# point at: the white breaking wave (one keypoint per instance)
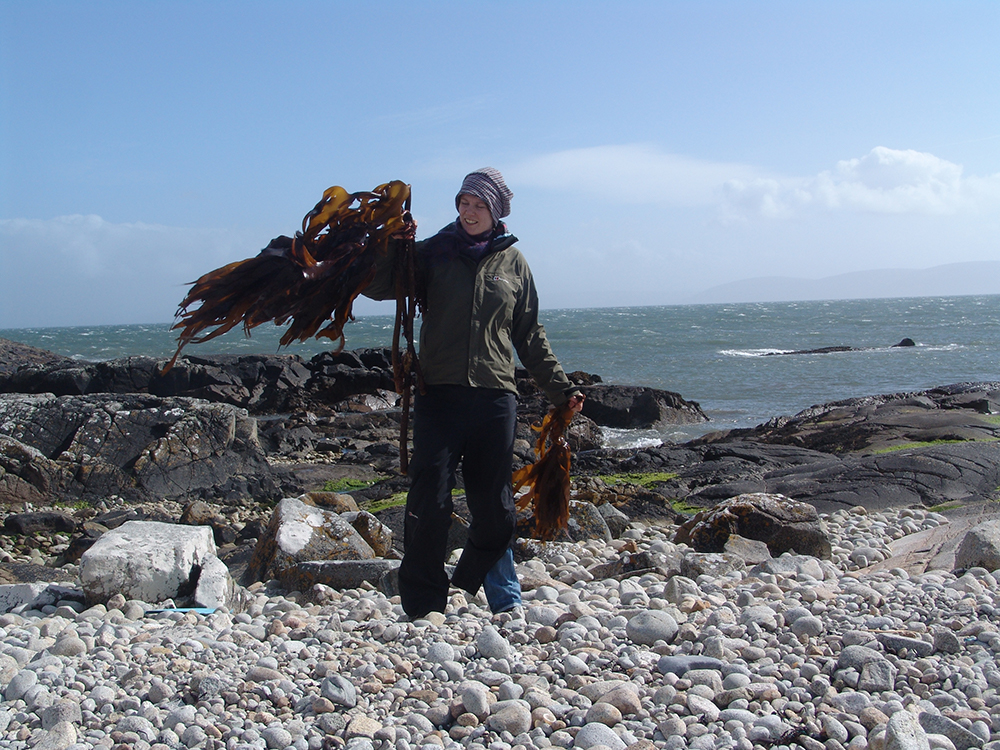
(753, 352)
(612, 437)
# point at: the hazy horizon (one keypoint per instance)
(737, 295)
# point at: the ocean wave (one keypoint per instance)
(765, 352)
(940, 347)
(612, 437)
(753, 352)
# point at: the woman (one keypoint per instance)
(481, 308)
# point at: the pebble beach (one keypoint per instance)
(792, 653)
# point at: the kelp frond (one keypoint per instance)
(548, 479)
(309, 281)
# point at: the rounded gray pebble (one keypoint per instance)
(141, 726)
(491, 644)
(440, 652)
(277, 738)
(594, 734)
(339, 690)
(650, 626)
(20, 684)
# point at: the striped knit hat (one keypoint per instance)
(487, 184)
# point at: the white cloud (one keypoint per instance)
(91, 271)
(630, 173)
(886, 181)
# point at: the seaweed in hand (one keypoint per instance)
(309, 281)
(547, 479)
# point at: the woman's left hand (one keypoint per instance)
(576, 403)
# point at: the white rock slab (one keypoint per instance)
(145, 560)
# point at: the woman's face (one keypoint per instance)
(474, 214)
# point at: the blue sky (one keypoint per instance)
(654, 149)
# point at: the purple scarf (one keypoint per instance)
(453, 241)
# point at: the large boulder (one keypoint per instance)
(980, 547)
(374, 532)
(337, 574)
(138, 446)
(637, 407)
(782, 524)
(299, 531)
(45, 522)
(147, 560)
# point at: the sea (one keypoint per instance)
(736, 360)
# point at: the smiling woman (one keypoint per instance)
(479, 311)
(475, 214)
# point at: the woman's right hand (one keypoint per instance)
(409, 230)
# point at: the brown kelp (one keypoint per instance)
(309, 281)
(405, 363)
(547, 479)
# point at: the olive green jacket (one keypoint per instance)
(476, 317)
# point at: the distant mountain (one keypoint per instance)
(952, 279)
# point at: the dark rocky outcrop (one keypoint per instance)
(925, 448)
(705, 475)
(260, 383)
(14, 355)
(136, 446)
(307, 406)
(636, 407)
(257, 382)
(959, 412)
(48, 522)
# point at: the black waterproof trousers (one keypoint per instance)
(451, 424)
